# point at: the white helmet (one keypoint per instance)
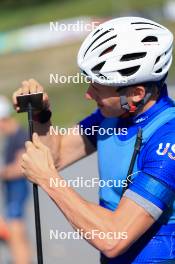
(126, 51)
(5, 107)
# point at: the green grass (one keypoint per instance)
(24, 16)
(69, 104)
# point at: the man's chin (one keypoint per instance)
(106, 113)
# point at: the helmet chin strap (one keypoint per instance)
(132, 108)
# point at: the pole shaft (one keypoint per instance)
(36, 198)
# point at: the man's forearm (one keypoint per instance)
(65, 149)
(84, 215)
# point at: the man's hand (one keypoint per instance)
(37, 162)
(29, 87)
(65, 149)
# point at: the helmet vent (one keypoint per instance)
(145, 28)
(98, 67)
(108, 50)
(168, 50)
(133, 56)
(129, 71)
(97, 31)
(101, 35)
(159, 71)
(84, 73)
(157, 60)
(150, 39)
(102, 76)
(104, 42)
(145, 23)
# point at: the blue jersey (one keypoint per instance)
(153, 158)
(153, 186)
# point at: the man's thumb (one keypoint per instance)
(37, 142)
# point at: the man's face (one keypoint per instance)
(107, 99)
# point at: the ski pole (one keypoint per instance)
(36, 197)
(28, 103)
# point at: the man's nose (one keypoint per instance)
(89, 95)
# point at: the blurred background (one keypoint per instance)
(29, 49)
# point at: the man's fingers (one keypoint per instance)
(29, 144)
(37, 142)
(25, 87)
(39, 88)
(14, 98)
(33, 86)
(25, 83)
(24, 159)
(30, 148)
(29, 87)
(35, 146)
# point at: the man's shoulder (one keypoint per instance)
(162, 136)
(157, 158)
(166, 130)
(162, 140)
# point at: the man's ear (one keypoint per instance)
(137, 93)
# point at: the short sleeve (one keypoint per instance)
(154, 186)
(151, 194)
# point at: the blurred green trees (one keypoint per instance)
(17, 3)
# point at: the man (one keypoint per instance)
(15, 186)
(127, 61)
